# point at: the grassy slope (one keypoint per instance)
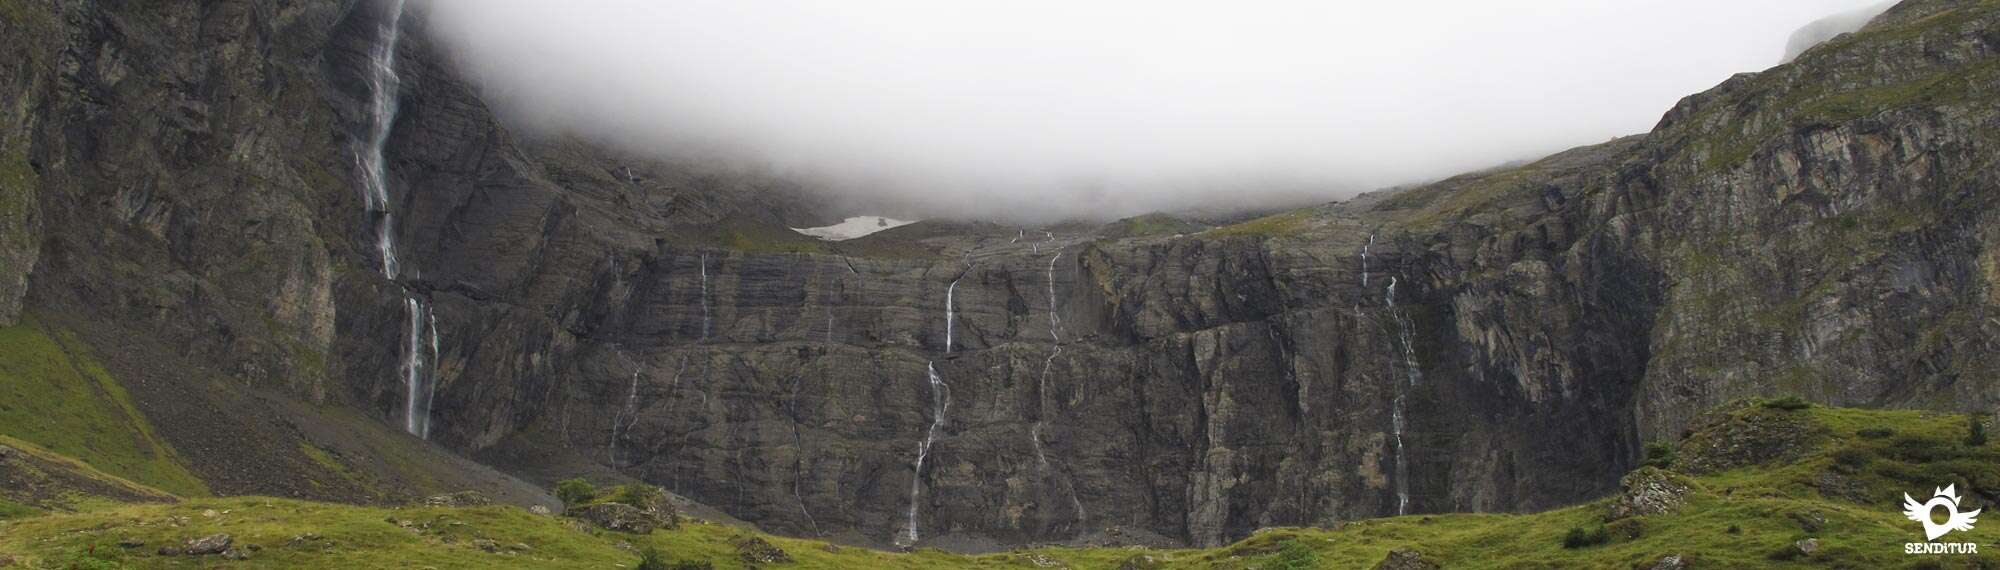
(53, 394)
(1761, 502)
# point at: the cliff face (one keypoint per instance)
(1498, 341)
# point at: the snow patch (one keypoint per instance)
(854, 227)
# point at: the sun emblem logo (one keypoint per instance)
(1948, 499)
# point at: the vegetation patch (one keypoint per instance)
(53, 394)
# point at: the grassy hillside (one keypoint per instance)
(53, 394)
(1760, 477)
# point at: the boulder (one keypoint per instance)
(1669, 562)
(207, 545)
(459, 499)
(755, 550)
(616, 517)
(1807, 547)
(1406, 559)
(1650, 491)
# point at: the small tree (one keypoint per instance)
(1975, 430)
(575, 492)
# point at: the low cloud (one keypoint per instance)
(1042, 109)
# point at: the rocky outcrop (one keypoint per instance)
(1649, 491)
(616, 517)
(1503, 340)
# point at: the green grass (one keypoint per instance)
(1280, 224)
(54, 395)
(1737, 518)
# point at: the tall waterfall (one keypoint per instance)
(1396, 417)
(705, 319)
(420, 345)
(950, 313)
(940, 403)
(1364, 259)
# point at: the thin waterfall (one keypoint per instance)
(1364, 259)
(705, 320)
(940, 404)
(950, 313)
(1413, 375)
(421, 352)
(629, 413)
(1042, 389)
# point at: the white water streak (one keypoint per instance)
(940, 405)
(705, 320)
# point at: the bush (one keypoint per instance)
(575, 492)
(1733, 529)
(1975, 430)
(1580, 537)
(1852, 459)
(1787, 403)
(652, 559)
(1660, 454)
(1875, 432)
(1294, 556)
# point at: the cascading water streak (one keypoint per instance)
(1396, 413)
(940, 404)
(950, 314)
(705, 320)
(421, 352)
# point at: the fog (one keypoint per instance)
(1043, 109)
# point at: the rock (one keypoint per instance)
(207, 545)
(486, 545)
(1040, 560)
(519, 547)
(756, 550)
(129, 542)
(1405, 559)
(615, 517)
(1650, 491)
(1669, 562)
(459, 499)
(236, 554)
(302, 540)
(1141, 562)
(539, 510)
(8, 453)
(1807, 547)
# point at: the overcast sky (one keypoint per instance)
(1108, 108)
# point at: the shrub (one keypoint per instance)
(652, 559)
(1851, 459)
(1787, 403)
(1660, 454)
(575, 492)
(1580, 537)
(1875, 432)
(1975, 430)
(1294, 556)
(1733, 529)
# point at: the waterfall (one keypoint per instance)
(420, 347)
(1042, 390)
(383, 86)
(1414, 375)
(705, 320)
(631, 410)
(950, 314)
(1364, 259)
(940, 403)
